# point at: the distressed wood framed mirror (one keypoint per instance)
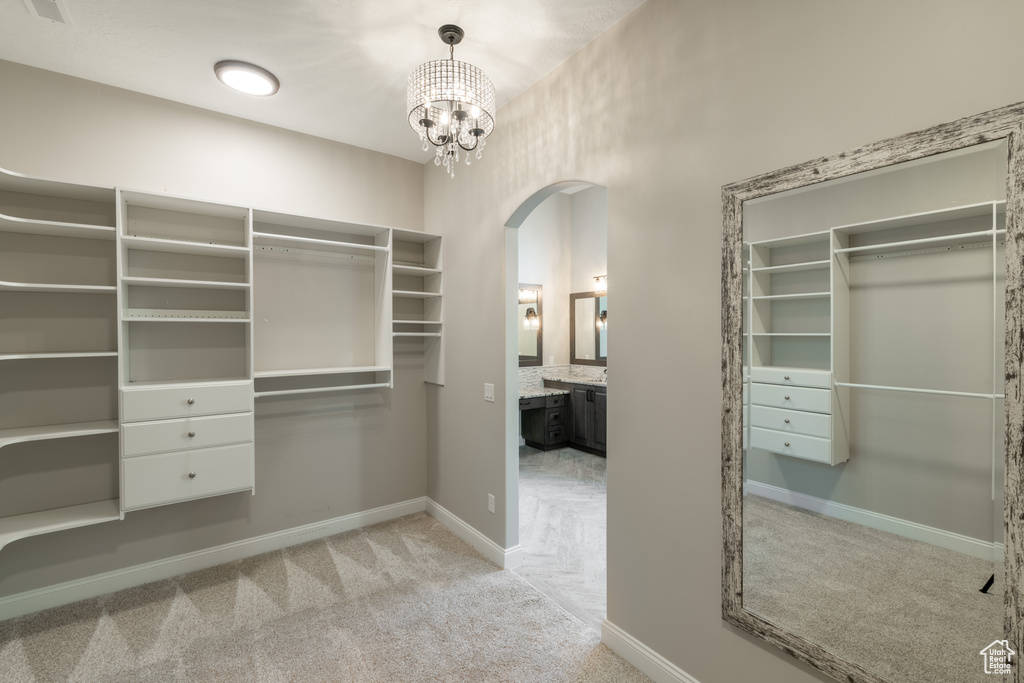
(873, 414)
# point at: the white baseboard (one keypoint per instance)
(974, 547)
(509, 558)
(649, 662)
(100, 584)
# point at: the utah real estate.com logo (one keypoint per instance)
(997, 657)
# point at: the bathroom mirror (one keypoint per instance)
(588, 328)
(872, 424)
(531, 343)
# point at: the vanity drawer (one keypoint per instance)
(531, 403)
(185, 400)
(555, 434)
(796, 377)
(554, 416)
(792, 421)
(143, 438)
(797, 398)
(158, 479)
(797, 445)
(556, 401)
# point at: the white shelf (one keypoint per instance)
(151, 383)
(184, 247)
(416, 322)
(312, 240)
(416, 334)
(417, 271)
(321, 390)
(31, 226)
(190, 284)
(64, 431)
(407, 294)
(944, 239)
(11, 181)
(185, 315)
(45, 356)
(937, 216)
(64, 289)
(59, 519)
(307, 372)
(793, 267)
(794, 297)
(790, 334)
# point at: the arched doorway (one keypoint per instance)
(556, 354)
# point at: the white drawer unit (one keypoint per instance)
(792, 421)
(795, 398)
(144, 438)
(796, 377)
(152, 480)
(796, 445)
(185, 400)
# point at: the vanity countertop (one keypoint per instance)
(576, 379)
(535, 392)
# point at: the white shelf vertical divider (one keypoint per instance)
(433, 309)
(384, 308)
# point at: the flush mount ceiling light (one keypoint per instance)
(247, 78)
(451, 105)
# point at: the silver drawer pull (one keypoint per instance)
(190, 401)
(192, 475)
(785, 398)
(786, 377)
(787, 446)
(191, 434)
(786, 421)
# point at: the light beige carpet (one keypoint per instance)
(906, 610)
(405, 600)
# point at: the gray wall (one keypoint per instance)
(316, 459)
(676, 100)
(545, 250)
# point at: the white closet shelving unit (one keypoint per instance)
(418, 295)
(323, 310)
(57, 348)
(798, 312)
(185, 303)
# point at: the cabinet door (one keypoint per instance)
(600, 406)
(580, 408)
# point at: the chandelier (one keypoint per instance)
(451, 105)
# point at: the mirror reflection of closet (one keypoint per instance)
(531, 342)
(873, 319)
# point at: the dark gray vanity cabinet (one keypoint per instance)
(589, 416)
(545, 420)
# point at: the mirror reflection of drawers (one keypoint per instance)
(790, 412)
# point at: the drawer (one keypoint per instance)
(157, 479)
(531, 403)
(143, 438)
(556, 401)
(185, 400)
(554, 416)
(797, 445)
(554, 434)
(796, 377)
(792, 421)
(797, 398)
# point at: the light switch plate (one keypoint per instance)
(489, 392)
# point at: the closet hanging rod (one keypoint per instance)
(320, 390)
(312, 240)
(912, 390)
(923, 240)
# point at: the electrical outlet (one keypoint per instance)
(489, 392)
(490, 503)
(551, 360)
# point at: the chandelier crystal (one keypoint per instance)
(451, 105)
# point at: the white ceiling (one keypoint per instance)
(343, 64)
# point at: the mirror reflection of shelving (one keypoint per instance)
(417, 294)
(322, 313)
(58, 349)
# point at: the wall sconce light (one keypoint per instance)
(602, 320)
(601, 283)
(527, 296)
(531, 321)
